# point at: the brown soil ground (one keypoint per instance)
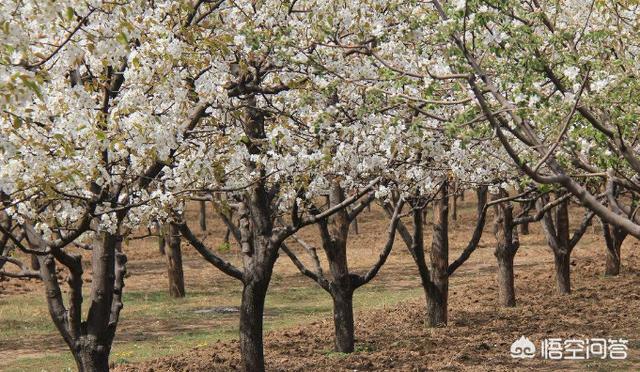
(479, 333)
(477, 339)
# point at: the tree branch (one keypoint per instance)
(391, 236)
(473, 243)
(224, 266)
(317, 277)
(577, 235)
(290, 230)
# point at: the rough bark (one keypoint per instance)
(507, 245)
(174, 263)
(562, 264)
(335, 233)
(415, 245)
(251, 315)
(342, 283)
(91, 357)
(343, 320)
(562, 255)
(259, 256)
(89, 341)
(506, 287)
(438, 289)
(557, 233)
(259, 251)
(614, 237)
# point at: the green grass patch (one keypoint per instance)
(154, 325)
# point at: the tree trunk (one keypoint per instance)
(91, 357)
(481, 194)
(203, 215)
(507, 245)
(613, 238)
(612, 263)
(334, 234)
(438, 289)
(251, 315)
(562, 255)
(557, 234)
(437, 303)
(454, 208)
(506, 288)
(174, 263)
(35, 264)
(343, 320)
(563, 265)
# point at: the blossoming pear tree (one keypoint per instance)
(96, 102)
(559, 79)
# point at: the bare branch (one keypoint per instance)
(541, 211)
(577, 235)
(24, 272)
(473, 243)
(312, 252)
(391, 236)
(321, 280)
(361, 206)
(290, 230)
(224, 266)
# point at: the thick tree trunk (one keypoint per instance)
(334, 234)
(91, 357)
(563, 264)
(507, 245)
(438, 290)
(612, 263)
(251, 315)
(437, 294)
(343, 320)
(506, 288)
(557, 235)
(174, 263)
(562, 255)
(613, 238)
(203, 215)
